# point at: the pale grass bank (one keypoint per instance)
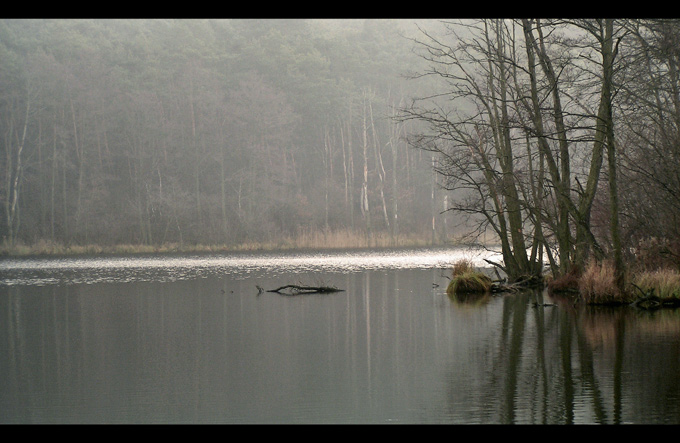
(337, 239)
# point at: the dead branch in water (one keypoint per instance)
(300, 289)
(521, 284)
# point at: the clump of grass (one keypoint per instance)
(597, 285)
(467, 280)
(462, 267)
(663, 283)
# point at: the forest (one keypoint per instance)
(210, 132)
(557, 140)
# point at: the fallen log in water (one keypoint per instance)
(300, 289)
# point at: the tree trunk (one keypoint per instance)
(560, 177)
(365, 207)
(14, 171)
(608, 56)
(519, 264)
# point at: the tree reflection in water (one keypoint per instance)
(553, 362)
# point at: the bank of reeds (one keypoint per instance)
(307, 239)
(347, 238)
(45, 248)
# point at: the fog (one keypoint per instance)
(230, 132)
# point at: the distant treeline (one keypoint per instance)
(223, 132)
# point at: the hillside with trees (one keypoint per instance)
(209, 132)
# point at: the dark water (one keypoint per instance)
(189, 340)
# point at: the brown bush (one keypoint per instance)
(565, 283)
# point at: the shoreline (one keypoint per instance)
(46, 249)
(653, 289)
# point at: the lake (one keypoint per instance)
(189, 339)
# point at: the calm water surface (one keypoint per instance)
(188, 339)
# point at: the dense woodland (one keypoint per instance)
(558, 139)
(212, 132)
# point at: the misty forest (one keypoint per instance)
(558, 140)
(208, 132)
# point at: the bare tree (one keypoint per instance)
(547, 85)
(650, 108)
(476, 145)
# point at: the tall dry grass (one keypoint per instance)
(462, 267)
(346, 238)
(597, 285)
(663, 283)
(305, 239)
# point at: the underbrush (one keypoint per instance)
(596, 285)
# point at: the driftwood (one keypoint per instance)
(300, 289)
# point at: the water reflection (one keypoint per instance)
(473, 300)
(392, 348)
(589, 365)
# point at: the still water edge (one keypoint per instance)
(188, 339)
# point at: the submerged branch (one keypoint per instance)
(300, 289)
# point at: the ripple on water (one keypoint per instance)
(163, 268)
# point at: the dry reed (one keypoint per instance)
(663, 283)
(305, 239)
(597, 285)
